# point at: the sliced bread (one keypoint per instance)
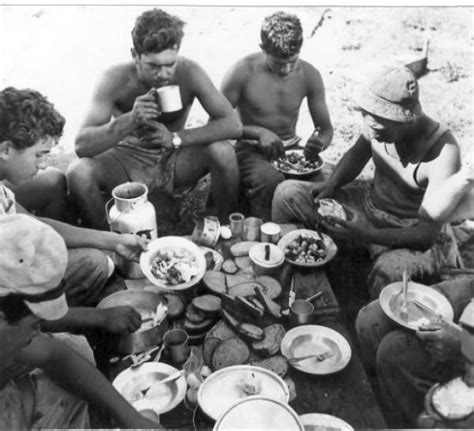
(230, 352)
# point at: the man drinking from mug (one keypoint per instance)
(127, 135)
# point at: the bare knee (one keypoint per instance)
(221, 154)
(55, 183)
(81, 173)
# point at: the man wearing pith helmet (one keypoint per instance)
(412, 154)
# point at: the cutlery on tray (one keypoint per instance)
(319, 357)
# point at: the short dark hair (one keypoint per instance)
(26, 116)
(281, 35)
(156, 30)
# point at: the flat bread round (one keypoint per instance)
(271, 286)
(222, 331)
(246, 288)
(215, 281)
(194, 315)
(331, 208)
(197, 328)
(208, 304)
(230, 352)
(209, 346)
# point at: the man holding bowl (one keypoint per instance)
(128, 135)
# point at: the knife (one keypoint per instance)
(436, 315)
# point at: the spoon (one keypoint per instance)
(170, 378)
(320, 357)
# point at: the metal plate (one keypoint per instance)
(225, 387)
(132, 381)
(259, 413)
(313, 340)
(390, 300)
(172, 242)
(322, 422)
(331, 247)
(294, 172)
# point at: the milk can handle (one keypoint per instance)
(107, 208)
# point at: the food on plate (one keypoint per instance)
(296, 162)
(174, 265)
(230, 352)
(330, 208)
(454, 400)
(306, 249)
(249, 385)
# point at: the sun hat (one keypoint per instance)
(391, 93)
(33, 260)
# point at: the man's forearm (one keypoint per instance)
(415, 238)
(215, 130)
(252, 132)
(325, 136)
(351, 165)
(94, 140)
(77, 319)
(68, 369)
(76, 237)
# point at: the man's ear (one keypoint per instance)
(5, 150)
(134, 53)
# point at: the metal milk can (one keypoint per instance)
(131, 213)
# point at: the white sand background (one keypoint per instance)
(62, 51)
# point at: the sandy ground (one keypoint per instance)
(62, 51)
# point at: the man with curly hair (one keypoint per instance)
(125, 136)
(267, 88)
(26, 120)
(29, 127)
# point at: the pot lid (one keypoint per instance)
(259, 413)
(266, 254)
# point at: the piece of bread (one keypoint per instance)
(244, 289)
(271, 286)
(207, 304)
(270, 345)
(331, 208)
(215, 281)
(197, 328)
(209, 346)
(229, 267)
(243, 262)
(278, 364)
(230, 352)
(222, 331)
(453, 400)
(194, 315)
(242, 248)
(238, 278)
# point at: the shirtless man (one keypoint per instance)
(413, 155)
(267, 88)
(126, 137)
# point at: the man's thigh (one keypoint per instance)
(37, 192)
(108, 171)
(192, 163)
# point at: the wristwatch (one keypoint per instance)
(176, 141)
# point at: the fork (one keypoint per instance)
(320, 357)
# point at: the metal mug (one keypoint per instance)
(236, 221)
(169, 98)
(301, 312)
(251, 230)
(177, 344)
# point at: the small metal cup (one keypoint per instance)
(252, 229)
(301, 312)
(236, 221)
(270, 232)
(177, 345)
